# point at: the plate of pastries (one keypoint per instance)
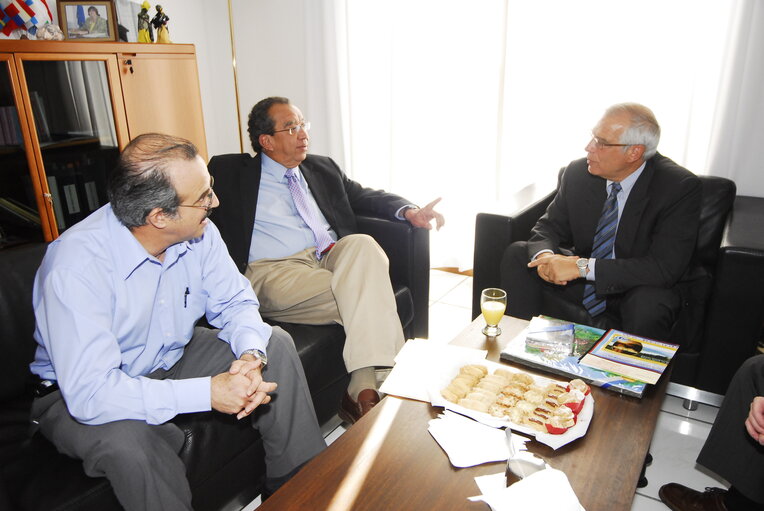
(555, 412)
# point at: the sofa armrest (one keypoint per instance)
(735, 315)
(408, 249)
(493, 234)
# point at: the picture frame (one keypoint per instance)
(88, 21)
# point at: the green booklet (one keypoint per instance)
(566, 363)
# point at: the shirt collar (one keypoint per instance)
(128, 251)
(628, 183)
(276, 170)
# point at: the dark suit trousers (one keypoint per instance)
(645, 311)
(729, 450)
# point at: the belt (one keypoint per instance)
(327, 249)
(45, 387)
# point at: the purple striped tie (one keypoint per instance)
(308, 214)
(604, 240)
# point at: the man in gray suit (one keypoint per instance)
(616, 239)
(734, 449)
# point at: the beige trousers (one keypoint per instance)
(350, 285)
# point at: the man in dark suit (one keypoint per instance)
(290, 227)
(616, 239)
(734, 449)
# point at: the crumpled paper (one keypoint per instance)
(484, 445)
(550, 483)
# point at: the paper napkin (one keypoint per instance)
(468, 443)
(551, 484)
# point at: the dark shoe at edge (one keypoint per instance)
(351, 411)
(682, 498)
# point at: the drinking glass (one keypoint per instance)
(493, 303)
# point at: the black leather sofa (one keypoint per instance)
(723, 306)
(225, 458)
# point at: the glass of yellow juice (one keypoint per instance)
(493, 303)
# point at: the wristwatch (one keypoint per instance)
(257, 354)
(583, 266)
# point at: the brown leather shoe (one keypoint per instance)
(682, 498)
(351, 411)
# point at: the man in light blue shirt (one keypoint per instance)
(116, 301)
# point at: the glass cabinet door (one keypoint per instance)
(74, 124)
(20, 219)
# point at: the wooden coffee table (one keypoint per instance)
(388, 460)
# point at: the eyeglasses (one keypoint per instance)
(305, 125)
(207, 205)
(599, 144)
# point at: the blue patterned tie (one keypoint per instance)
(308, 214)
(604, 239)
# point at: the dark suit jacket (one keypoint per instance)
(340, 199)
(656, 234)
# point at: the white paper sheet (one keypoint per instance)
(552, 484)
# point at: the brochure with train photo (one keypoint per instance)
(630, 355)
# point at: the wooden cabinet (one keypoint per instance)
(66, 111)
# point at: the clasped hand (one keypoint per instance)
(242, 388)
(555, 268)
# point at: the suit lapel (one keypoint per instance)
(638, 201)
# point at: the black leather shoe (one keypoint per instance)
(682, 498)
(351, 411)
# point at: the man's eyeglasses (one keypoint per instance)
(207, 204)
(305, 125)
(599, 143)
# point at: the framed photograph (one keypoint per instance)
(88, 21)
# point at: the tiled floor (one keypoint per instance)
(679, 434)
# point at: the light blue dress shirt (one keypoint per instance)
(279, 229)
(108, 314)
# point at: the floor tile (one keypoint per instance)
(441, 282)
(675, 446)
(446, 321)
(461, 295)
(642, 503)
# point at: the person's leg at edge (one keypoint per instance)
(140, 460)
(729, 451)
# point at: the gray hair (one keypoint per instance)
(139, 183)
(643, 128)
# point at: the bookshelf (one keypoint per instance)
(67, 109)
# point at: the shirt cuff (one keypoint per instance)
(590, 273)
(193, 394)
(400, 213)
(545, 251)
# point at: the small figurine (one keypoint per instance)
(160, 23)
(145, 32)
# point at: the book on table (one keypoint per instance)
(526, 349)
(629, 355)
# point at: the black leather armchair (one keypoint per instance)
(225, 458)
(494, 233)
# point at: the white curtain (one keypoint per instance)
(736, 150)
(475, 101)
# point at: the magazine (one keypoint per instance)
(630, 355)
(518, 351)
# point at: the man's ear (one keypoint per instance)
(265, 141)
(635, 152)
(157, 218)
